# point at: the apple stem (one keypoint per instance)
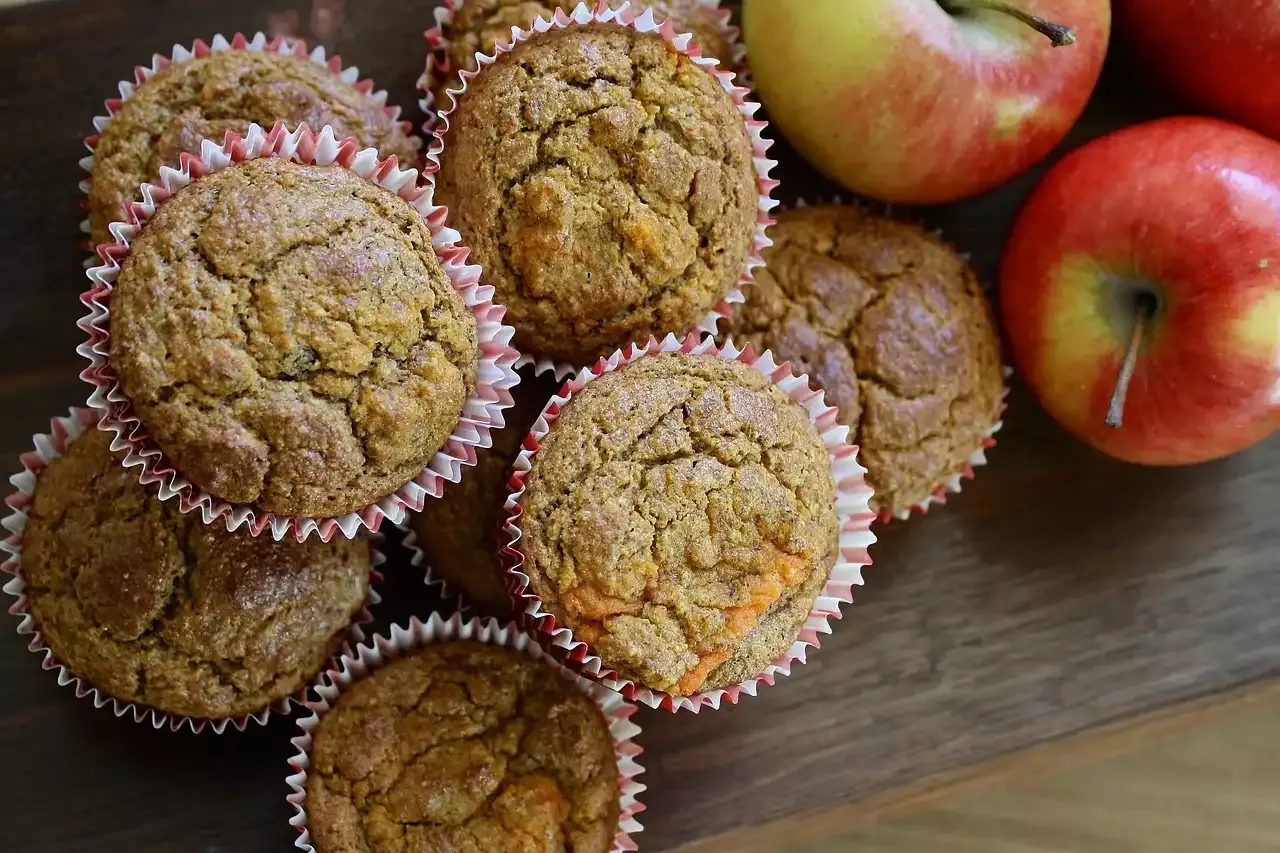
(1115, 410)
(1058, 35)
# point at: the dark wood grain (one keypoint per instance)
(1062, 591)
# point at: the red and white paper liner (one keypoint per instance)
(51, 445)
(419, 634)
(853, 497)
(495, 375)
(258, 43)
(954, 482)
(644, 22)
(439, 67)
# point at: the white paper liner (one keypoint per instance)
(624, 15)
(51, 445)
(419, 634)
(953, 483)
(852, 506)
(495, 374)
(258, 43)
(439, 67)
(418, 560)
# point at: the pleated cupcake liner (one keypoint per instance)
(51, 445)
(439, 66)
(199, 49)
(419, 634)
(625, 15)
(852, 505)
(953, 483)
(495, 376)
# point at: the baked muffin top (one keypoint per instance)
(459, 533)
(289, 338)
(152, 606)
(198, 99)
(478, 26)
(605, 183)
(893, 325)
(463, 748)
(680, 519)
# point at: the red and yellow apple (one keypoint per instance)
(925, 101)
(1163, 240)
(1223, 54)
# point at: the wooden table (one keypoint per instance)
(1060, 595)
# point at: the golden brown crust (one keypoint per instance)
(463, 748)
(155, 607)
(289, 338)
(479, 25)
(606, 185)
(894, 326)
(203, 98)
(458, 533)
(680, 518)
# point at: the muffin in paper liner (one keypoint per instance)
(199, 49)
(644, 22)
(419, 634)
(853, 497)
(51, 445)
(954, 482)
(418, 560)
(439, 67)
(495, 374)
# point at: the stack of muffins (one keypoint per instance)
(288, 345)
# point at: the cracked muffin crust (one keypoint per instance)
(459, 533)
(605, 183)
(154, 607)
(289, 338)
(462, 747)
(893, 325)
(679, 517)
(198, 99)
(478, 26)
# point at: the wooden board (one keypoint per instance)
(1061, 592)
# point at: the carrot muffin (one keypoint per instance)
(289, 338)
(154, 607)
(198, 99)
(479, 26)
(893, 325)
(605, 183)
(458, 534)
(465, 748)
(680, 519)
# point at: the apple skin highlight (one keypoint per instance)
(1187, 208)
(903, 101)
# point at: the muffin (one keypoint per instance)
(893, 325)
(153, 607)
(458, 534)
(202, 98)
(289, 339)
(466, 748)
(479, 26)
(679, 518)
(605, 183)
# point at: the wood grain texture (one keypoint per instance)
(1060, 592)
(1216, 787)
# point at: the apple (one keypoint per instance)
(1225, 56)
(1140, 290)
(925, 101)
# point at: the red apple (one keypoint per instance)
(1162, 242)
(1224, 54)
(925, 101)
